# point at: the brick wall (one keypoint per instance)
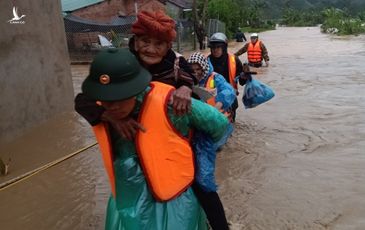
(104, 11)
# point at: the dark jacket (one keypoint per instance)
(240, 37)
(220, 65)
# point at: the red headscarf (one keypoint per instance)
(155, 24)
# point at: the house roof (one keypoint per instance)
(72, 5)
(184, 4)
(77, 24)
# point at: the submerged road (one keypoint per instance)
(296, 162)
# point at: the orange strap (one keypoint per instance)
(166, 157)
(210, 84)
(101, 134)
(232, 70)
(211, 101)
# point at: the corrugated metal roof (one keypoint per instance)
(72, 5)
(184, 4)
(77, 24)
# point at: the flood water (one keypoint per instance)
(296, 162)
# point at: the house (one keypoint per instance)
(176, 8)
(104, 10)
(86, 19)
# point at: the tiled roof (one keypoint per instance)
(72, 5)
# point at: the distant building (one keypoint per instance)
(105, 11)
(176, 8)
(86, 19)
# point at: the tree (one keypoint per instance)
(226, 11)
(200, 22)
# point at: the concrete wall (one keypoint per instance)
(35, 76)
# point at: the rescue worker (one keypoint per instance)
(151, 175)
(151, 44)
(256, 52)
(240, 36)
(226, 64)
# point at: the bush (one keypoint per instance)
(337, 22)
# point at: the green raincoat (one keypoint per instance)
(134, 207)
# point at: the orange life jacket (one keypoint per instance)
(102, 136)
(254, 52)
(232, 70)
(210, 84)
(166, 157)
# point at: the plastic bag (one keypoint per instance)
(256, 93)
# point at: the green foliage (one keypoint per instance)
(226, 11)
(338, 22)
(292, 17)
(236, 14)
(277, 6)
(361, 16)
(259, 15)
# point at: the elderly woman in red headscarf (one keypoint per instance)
(154, 33)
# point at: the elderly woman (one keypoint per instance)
(212, 81)
(154, 33)
(151, 175)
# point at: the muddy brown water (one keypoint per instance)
(296, 162)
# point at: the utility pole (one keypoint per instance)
(199, 23)
(194, 24)
(135, 7)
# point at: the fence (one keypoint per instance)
(85, 38)
(214, 25)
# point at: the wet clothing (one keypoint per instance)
(240, 36)
(165, 155)
(133, 206)
(256, 65)
(205, 150)
(204, 147)
(162, 72)
(221, 65)
(254, 52)
(213, 208)
(264, 53)
(225, 92)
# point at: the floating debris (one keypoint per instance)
(4, 167)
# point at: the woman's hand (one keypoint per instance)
(218, 105)
(126, 127)
(181, 100)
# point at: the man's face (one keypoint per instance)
(216, 51)
(198, 70)
(119, 109)
(151, 50)
(253, 39)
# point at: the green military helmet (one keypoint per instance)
(115, 74)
